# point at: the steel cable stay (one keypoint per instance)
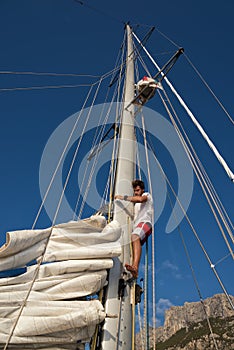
(192, 117)
(31, 88)
(63, 86)
(210, 90)
(220, 210)
(198, 73)
(194, 276)
(203, 305)
(205, 187)
(97, 149)
(189, 259)
(113, 164)
(76, 151)
(98, 136)
(40, 261)
(58, 206)
(61, 159)
(211, 190)
(98, 140)
(24, 302)
(91, 174)
(140, 327)
(50, 74)
(106, 75)
(228, 245)
(120, 63)
(145, 334)
(153, 235)
(153, 274)
(47, 241)
(99, 145)
(204, 180)
(53, 221)
(146, 298)
(212, 266)
(139, 58)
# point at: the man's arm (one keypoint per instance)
(133, 199)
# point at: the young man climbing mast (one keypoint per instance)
(145, 89)
(142, 229)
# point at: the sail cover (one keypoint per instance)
(62, 310)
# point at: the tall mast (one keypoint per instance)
(117, 330)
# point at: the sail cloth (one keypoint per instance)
(74, 266)
(51, 323)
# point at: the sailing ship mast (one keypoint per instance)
(117, 331)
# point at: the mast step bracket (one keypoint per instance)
(111, 316)
(138, 292)
(121, 288)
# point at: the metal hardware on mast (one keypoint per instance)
(117, 332)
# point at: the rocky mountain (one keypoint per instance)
(197, 325)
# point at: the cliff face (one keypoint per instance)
(186, 326)
(198, 336)
(178, 317)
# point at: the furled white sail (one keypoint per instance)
(51, 322)
(74, 266)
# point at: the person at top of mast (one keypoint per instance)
(146, 88)
(142, 229)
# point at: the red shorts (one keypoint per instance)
(143, 230)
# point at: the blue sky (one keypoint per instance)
(62, 36)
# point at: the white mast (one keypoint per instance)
(117, 330)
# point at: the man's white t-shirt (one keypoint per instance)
(143, 211)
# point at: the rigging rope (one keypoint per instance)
(202, 184)
(87, 164)
(28, 88)
(153, 235)
(106, 75)
(202, 176)
(28, 292)
(190, 114)
(194, 277)
(137, 143)
(166, 37)
(153, 284)
(60, 159)
(99, 11)
(59, 203)
(99, 136)
(209, 191)
(198, 73)
(53, 221)
(142, 63)
(113, 165)
(140, 326)
(95, 159)
(51, 74)
(110, 183)
(210, 90)
(146, 292)
(212, 266)
(44, 87)
(76, 151)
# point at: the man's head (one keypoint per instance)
(138, 187)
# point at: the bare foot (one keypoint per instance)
(133, 269)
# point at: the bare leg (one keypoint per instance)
(136, 246)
